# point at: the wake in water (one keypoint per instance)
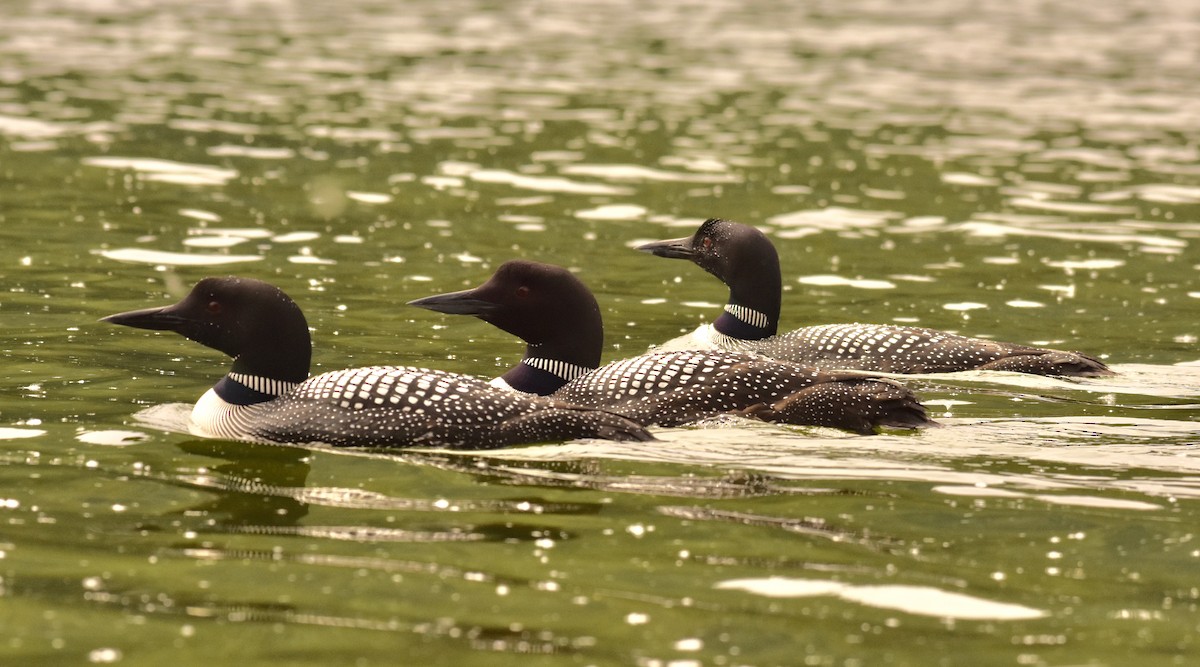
(1180, 381)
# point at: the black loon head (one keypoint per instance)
(252, 321)
(544, 305)
(745, 260)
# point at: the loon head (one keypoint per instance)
(544, 305)
(250, 320)
(745, 260)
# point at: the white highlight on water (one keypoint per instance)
(165, 171)
(921, 600)
(828, 280)
(162, 257)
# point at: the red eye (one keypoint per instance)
(214, 307)
(707, 243)
(522, 292)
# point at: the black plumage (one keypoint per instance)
(745, 260)
(268, 397)
(558, 318)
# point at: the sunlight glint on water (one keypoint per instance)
(1018, 171)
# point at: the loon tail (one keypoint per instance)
(857, 404)
(1051, 362)
(569, 422)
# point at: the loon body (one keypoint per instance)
(558, 318)
(746, 261)
(267, 395)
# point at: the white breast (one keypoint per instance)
(213, 417)
(703, 338)
(500, 383)
(706, 337)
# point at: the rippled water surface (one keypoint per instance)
(1025, 171)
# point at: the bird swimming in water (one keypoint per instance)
(267, 395)
(745, 260)
(558, 318)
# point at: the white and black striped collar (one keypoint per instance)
(566, 371)
(748, 315)
(243, 389)
(264, 385)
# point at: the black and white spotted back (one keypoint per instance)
(899, 349)
(679, 387)
(745, 259)
(895, 349)
(390, 406)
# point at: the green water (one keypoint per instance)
(1026, 171)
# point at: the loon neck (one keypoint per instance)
(543, 376)
(280, 355)
(242, 389)
(571, 342)
(745, 323)
(750, 268)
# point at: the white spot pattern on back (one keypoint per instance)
(891, 349)
(402, 406)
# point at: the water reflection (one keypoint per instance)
(165, 171)
(246, 471)
(810, 527)
(922, 600)
(1038, 159)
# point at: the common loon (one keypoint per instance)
(558, 318)
(267, 395)
(746, 261)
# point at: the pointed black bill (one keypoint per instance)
(672, 248)
(457, 303)
(158, 319)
